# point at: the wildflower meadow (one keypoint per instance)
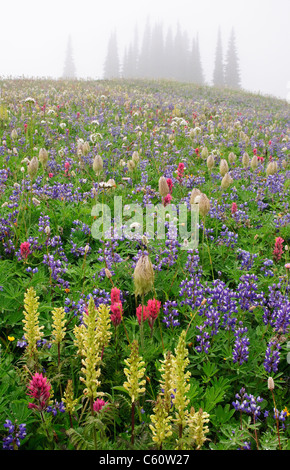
(144, 267)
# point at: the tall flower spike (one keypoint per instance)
(134, 372)
(166, 370)
(197, 427)
(58, 324)
(180, 378)
(68, 398)
(103, 325)
(91, 352)
(32, 330)
(160, 423)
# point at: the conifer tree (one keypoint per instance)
(111, 66)
(157, 52)
(144, 56)
(232, 73)
(69, 71)
(218, 74)
(168, 55)
(196, 72)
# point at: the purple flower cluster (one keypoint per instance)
(247, 403)
(16, 434)
(272, 357)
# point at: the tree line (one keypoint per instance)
(165, 56)
(171, 56)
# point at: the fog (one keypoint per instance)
(34, 35)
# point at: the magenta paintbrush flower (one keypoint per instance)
(39, 389)
(25, 249)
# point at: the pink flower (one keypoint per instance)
(115, 295)
(287, 265)
(255, 151)
(50, 175)
(153, 306)
(39, 389)
(170, 184)
(99, 404)
(278, 249)
(181, 167)
(139, 313)
(167, 200)
(180, 171)
(25, 249)
(117, 313)
(234, 208)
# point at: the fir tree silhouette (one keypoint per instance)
(69, 71)
(232, 73)
(218, 73)
(111, 66)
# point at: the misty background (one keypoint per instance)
(35, 36)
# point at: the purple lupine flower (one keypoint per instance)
(16, 433)
(272, 357)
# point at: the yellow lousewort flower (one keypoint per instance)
(143, 275)
(135, 373)
(79, 334)
(58, 325)
(32, 330)
(91, 353)
(160, 422)
(68, 398)
(163, 186)
(166, 383)
(197, 427)
(103, 325)
(180, 381)
(224, 167)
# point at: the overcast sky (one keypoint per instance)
(34, 35)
